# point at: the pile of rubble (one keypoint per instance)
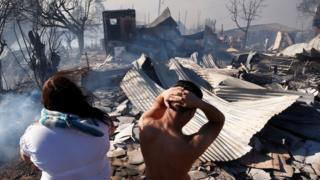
(287, 146)
(163, 40)
(276, 72)
(277, 153)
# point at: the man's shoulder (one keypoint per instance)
(148, 127)
(146, 122)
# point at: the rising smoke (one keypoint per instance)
(16, 113)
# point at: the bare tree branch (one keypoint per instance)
(73, 15)
(245, 11)
(308, 7)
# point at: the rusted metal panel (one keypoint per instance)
(242, 122)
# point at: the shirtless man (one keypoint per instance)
(168, 153)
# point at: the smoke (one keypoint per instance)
(276, 11)
(17, 111)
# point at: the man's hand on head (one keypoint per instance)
(173, 95)
(190, 100)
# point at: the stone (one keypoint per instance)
(135, 157)
(118, 162)
(116, 153)
(134, 111)
(115, 104)
(309, 154)
(105, 102)
(258, 160)
(141, 168)
(115, 114)
(259, 174)
(105, 109)
(226, 175)
(124, 133)
(121, 173)
(116, 177)
(121, 98)
(132, 172)
(136, 132)
(132, 146)
(112, 147)
(123, 107)
(125, 120)
(194, 175)
(197, 163)
(208, 168)
(208, 178)
(308, 169)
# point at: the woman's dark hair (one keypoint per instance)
(59, 93)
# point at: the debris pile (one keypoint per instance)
(278, 151)
(162, 40)
(279, 147)
(125, 154)
(282, 73)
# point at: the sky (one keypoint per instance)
(275, 11)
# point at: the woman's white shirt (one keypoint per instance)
(67, 154)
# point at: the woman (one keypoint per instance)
(71, 139)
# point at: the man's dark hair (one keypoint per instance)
(190, 86)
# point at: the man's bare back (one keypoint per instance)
(168, 153)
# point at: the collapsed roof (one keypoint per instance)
(163, 40)
(147, 79)
(164, 19)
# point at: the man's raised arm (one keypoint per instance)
(162, 102)
(208, 132)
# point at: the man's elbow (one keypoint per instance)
(220, 121)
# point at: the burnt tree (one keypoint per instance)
(6, 8)
(308, 7)
(42, 66)
(245, 11)
(41, 51)
(73, 15)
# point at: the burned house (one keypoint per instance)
(119, 25)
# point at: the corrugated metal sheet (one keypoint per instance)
(242, 121)
(234, 90)
(277, 41)
(214, 78)
(292, 50)
(208, 62)
(165, 17)
(314, 43)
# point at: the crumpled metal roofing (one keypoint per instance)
(164, 16)
(313, 43)
(242, 120)
(234, 90)
(292, 50)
